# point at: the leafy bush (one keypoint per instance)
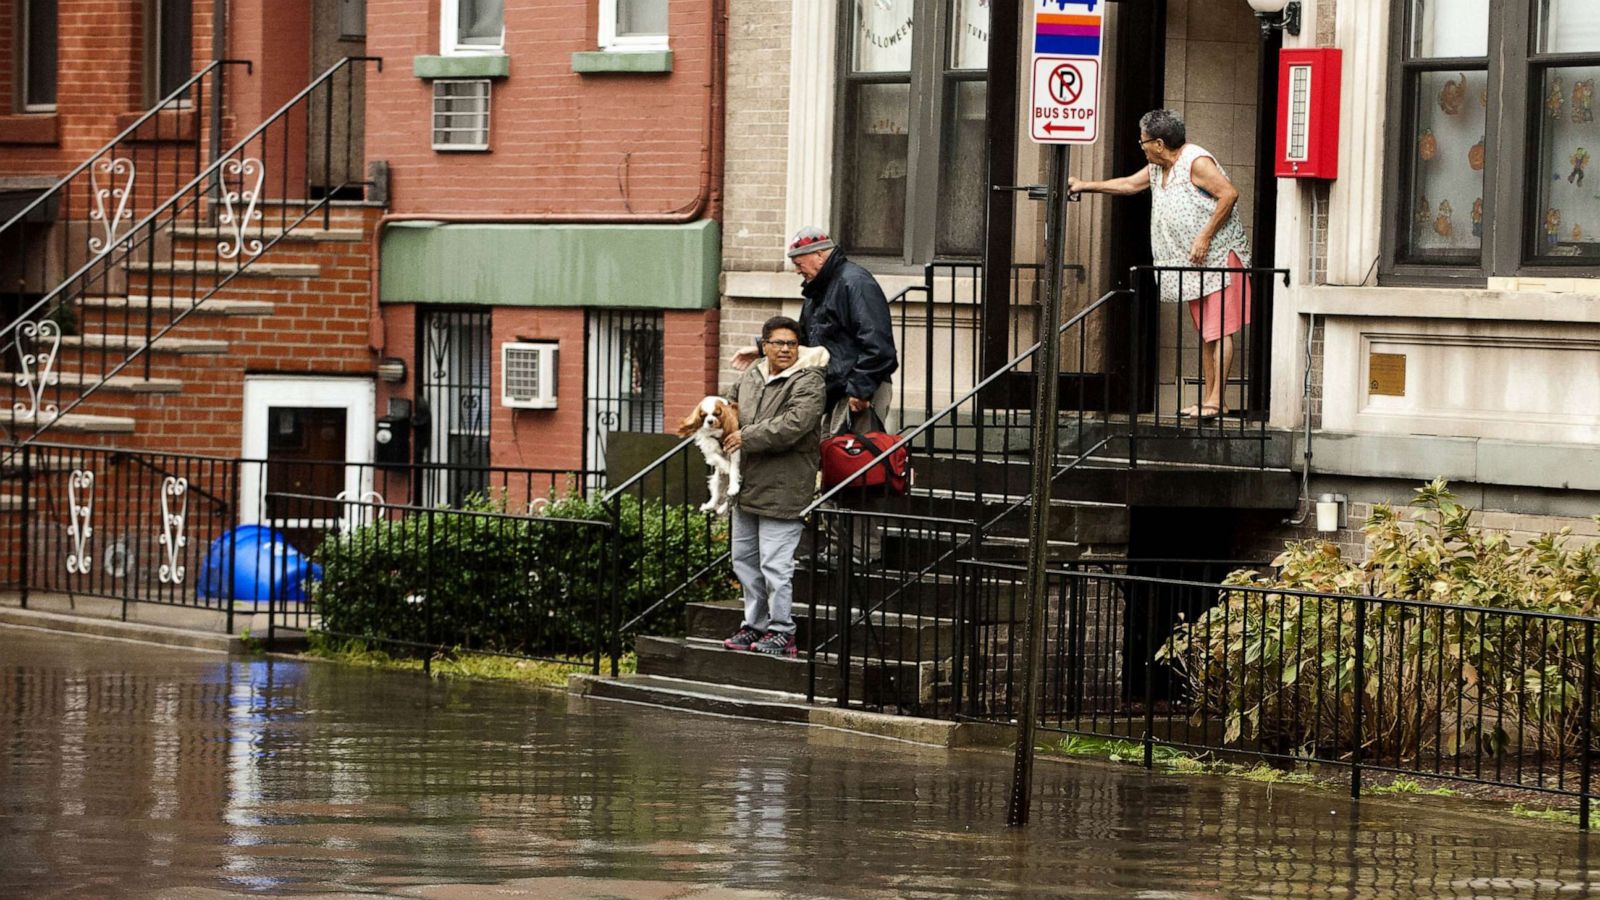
(1280, 668)
(478, 578)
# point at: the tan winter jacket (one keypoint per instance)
(781, 427)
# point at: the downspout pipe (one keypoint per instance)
(707, 199)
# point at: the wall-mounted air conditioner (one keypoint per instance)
(528, 374)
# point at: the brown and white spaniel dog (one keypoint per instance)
(713, 419)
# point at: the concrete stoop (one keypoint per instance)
(780, 706)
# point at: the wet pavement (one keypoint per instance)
(128, 770)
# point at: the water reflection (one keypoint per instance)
(131, 770)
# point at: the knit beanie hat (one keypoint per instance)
(809, 239)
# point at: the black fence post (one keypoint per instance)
(1584, 776)
(842, 601)
(25, 560)
(1361, 690)
(1149, 669)
(427, 596)
(612, 556)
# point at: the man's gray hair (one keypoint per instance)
(1166, 125)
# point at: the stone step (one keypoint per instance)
(77, 423)
(126, 343)
(697, 696)
(900, 636)
(170, 305)
(211, 269)
(877, 684)
(304, 233)
(129, 384)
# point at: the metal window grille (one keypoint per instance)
(461, 115)
(1299, 111)
(624, 388)
(455, 391)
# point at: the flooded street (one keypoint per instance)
(128, 770)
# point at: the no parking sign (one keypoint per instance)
(1065, 104)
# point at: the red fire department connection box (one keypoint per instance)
(1308, 113)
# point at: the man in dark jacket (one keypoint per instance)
(845, 311)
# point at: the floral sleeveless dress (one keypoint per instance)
(1179, 211)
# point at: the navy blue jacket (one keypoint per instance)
(846, 312)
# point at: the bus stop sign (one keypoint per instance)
(1065, 104)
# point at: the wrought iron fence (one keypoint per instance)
(1497, 697)
(625, 377)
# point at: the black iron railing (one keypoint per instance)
(672, 550)
(93, 206)
(103, 319)
(1499, 697)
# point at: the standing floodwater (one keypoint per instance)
(130, 770)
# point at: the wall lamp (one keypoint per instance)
(1333, 513)
(392, 370)
(1286, 11)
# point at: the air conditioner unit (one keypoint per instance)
(528, 374)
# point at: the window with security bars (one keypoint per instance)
(625, 377)
(455, 389)
(461, 115)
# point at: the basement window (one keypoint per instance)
(461, 115)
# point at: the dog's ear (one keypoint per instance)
(690, 423)
(729, 415)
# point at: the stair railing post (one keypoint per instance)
(1361, 690)
(1045, 433)
(26, 530)
(1586, 757)
(847, 558)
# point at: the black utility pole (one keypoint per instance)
(1046, 366)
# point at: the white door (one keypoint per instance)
(305, 439)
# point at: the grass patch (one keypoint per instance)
(1546, 814)
(455, 663)
(1411, 786)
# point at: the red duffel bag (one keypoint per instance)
(843, 455)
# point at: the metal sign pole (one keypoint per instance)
(1046, 370)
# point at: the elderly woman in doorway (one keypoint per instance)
(1193, 224)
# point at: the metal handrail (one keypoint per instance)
(160, 107)
(905, 439)
(210, 171)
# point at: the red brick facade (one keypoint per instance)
(604, 147)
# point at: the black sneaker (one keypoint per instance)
(743, 639)
(776, 643)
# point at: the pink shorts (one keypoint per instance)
(1223, 312)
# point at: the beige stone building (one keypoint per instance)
(1442, 313)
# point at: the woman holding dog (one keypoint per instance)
(780, 414)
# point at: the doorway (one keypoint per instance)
(335, 159)
(306, 442)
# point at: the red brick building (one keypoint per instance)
(344, 215)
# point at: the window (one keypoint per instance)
(1495, 100)
(625, 377)
(461, 115)
(169, 45)
(472, 26)
(38, 58)
(455, 391)
(899, 197)
(633, 24)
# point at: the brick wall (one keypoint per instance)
(758, 134)
(741, 325)
(561, 142)
(100, 76)
(539, 438)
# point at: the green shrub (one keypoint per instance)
(1279, 669)
(479, 579)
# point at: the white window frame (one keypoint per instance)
(615, 43)
(24, 30)
(450, 27)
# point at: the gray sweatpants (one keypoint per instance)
(763, 561)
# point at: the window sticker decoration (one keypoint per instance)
(1427, 145)
(1453, 96)
(1475, 156)
(1557, 98)
(1583, 102)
